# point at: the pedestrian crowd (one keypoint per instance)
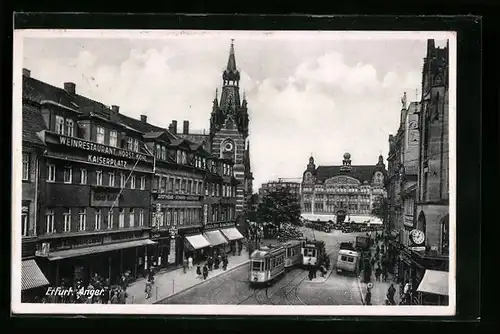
(212, 262)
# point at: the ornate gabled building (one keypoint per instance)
(229, 130)
(343, 191)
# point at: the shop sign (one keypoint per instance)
(205, 214)
(227, 224)
(103, 199)
(121, 237)
(100, 160)
(104, 149)
(408, 220)
(172, 253)
(88, 242)
(44, 250)
(176, 197)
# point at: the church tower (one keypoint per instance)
(229, 129)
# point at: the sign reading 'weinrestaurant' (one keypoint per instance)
(89, 146)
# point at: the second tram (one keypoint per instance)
(266, 264)
(293, 253)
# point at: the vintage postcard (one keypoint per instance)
(234, 173)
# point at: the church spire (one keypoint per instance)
(231, 75)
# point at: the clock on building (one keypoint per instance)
(228, 146)
(413, 125)
(417, 237)
(308, 176)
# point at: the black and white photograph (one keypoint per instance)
(234, 172)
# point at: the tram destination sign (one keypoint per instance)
(103, 149)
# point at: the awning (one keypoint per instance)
(232, 233)
(435, 282)
(198, 241)
(98, 249)
(215, 238)
(32, 276)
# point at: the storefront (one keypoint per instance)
(191, 243)
(33, 282)
(165, 254)
(218, 243)
(234, 237)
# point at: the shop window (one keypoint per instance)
(49, 221)
(24, 221)
(67, 221)
(83, 176)
(51, 173)
(113, 138)
(82, 220)
(26, 166)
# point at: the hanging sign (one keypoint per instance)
(172, 253)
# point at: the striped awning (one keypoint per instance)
(32, 276)
(197, 241)
(232, 234)
(215, 238)
(434, 282)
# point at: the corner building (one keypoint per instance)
(94, 186)
(342, 192)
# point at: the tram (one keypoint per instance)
(312, 252)
(319, 226)
(293, 255)
(266, 264)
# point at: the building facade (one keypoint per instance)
(342, 191)
(292, 187)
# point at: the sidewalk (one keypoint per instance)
(172, 282)
(380, 288)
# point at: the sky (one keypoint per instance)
(308, 93)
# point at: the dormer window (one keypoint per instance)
(136, 145)
(179, 157)
(59, 125)
(158, 151)
(70, 126)
(163, 153)
(184, 158)
(100, 135)
(129, 144)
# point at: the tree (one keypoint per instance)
(279, 207)
(381, 208)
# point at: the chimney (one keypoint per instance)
(174, 127)
(26, 73)
(185, 128)
(69, 87)
(116, 109)
(144, 118)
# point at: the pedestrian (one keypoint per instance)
(114, 299)
(184, 265)
(123, 296)
(198, 271)
(368, 296)
(384, 272)
(378, 272)
(390, 294)
(407, 292)
(210, 262)
(190, 262)
(216, 262)
(205, 272)
(148, 289)
(224, 263)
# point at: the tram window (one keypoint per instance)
(350, 259)
(267, 264)
(256, 266)
(343, 258)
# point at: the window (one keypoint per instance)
(83, 176)
(169, 217)
(164, 153)
(51, 177)
(100, 135)
(143, 182)
(113, 138)
(141, 217)
(98, 219)
(171, 184)
(121, 219)
(129, 144)
(24, 221)
(136, 145)
(67, 221)
(158, 151)
(82, 220)
(177, 185)
(59, 125)
(189, 186)
(49, 221)
(110, 219)
(163, 184)
(26, 166)
(70, 125)
(178, 157)
(132, 218)
(181, 216)
(98, 175)
(350, 259)
(122, 180)
(176, 217)
(111, 179)
(132, 182)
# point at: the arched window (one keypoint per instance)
(445, 235)
(421, 223)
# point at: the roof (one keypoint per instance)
(360, 172)
(32, 123)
